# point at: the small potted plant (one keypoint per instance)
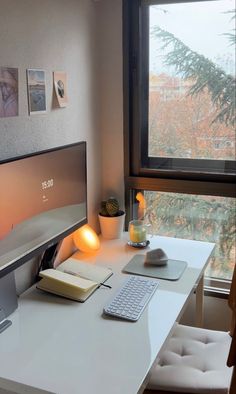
(111, 218)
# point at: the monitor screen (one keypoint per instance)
(43, 198)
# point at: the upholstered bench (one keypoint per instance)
(193, 361)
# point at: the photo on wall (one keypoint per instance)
(60, 86)
(36, 91)
(9, 101)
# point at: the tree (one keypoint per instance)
(203, 72)
(203, 218)
(181, 125)
(189, 216)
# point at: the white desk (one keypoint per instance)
(60, 346)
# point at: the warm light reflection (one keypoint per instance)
(142, 205)
(86, 239)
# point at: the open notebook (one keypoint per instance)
(73, 279)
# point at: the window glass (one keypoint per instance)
(179, 121)
(192, 80)
(202, 218)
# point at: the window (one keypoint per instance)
(203, 218)
(179, 106)
(189, 56)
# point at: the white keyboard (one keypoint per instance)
(130, 300)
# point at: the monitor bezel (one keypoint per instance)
(55, 240)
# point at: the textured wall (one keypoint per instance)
(54, 35)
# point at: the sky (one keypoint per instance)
(200, 26)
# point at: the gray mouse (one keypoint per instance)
(156, 257)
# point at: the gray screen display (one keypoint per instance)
(42, 196)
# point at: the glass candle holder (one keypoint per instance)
(137, 231)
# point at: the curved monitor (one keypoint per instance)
(43, 198)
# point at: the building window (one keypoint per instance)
(179, 106)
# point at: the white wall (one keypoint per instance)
(110, 73)
(54, 35)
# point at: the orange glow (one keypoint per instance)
(141, 199)
(86, 239)
(142, 205)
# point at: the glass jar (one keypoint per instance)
(137, 231)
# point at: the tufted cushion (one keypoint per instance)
(194, 361)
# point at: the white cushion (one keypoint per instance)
(193, 361)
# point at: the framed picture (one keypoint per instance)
(8, 92)
(60, 86)
(36, 91)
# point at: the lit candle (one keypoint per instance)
(137, 233)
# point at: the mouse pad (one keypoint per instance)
(171, 271)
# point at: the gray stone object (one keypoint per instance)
(156, 257)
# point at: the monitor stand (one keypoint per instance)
(8, 299)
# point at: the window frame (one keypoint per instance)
(135, 43)
(138, 177)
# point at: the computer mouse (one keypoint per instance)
(156, 257)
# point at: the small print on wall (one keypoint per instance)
(36, 91)
(8, 92)
(60, 86)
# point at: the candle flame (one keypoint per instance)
(142, 205)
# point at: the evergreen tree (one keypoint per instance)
(204, 73)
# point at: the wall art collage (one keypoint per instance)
(36, 88)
